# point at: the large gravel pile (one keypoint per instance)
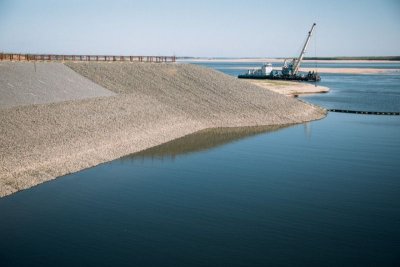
(23, 83)
(156, 103)
(199, 92)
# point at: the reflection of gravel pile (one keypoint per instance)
(201, 141)
(156, 103)
(23, 83)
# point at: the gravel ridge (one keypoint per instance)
(152, 104)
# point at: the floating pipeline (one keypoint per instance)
(365, 112)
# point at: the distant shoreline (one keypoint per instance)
(310, 59)
(333, 70)
(384, 58)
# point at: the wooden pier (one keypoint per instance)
(48, 57)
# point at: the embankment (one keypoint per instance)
(152, 104)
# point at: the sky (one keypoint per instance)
(207, 28)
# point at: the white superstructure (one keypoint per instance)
(265, 70)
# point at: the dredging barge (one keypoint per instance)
(290, 69)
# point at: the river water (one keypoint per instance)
(325, 193)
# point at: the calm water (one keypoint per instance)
(378, 92)
(326, 193)
(360, 92)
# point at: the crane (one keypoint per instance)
(290, 68)
(303, 51)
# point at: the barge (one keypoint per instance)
(290, 69)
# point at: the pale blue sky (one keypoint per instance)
(215, 28)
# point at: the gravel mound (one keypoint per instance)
(23, 83)
(154, 104)
(199, 92)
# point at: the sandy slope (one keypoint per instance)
(289, 88)
(155, 103)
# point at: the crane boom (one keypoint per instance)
(303, 51)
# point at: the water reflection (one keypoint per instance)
(275, 199)
(201, 141)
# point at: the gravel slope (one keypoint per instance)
(23, 83)
(199, 92)
(154, 104)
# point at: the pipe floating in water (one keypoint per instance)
(364, 112)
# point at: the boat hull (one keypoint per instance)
(284, 78)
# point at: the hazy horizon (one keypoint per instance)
(225, 29)
(244, 57)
